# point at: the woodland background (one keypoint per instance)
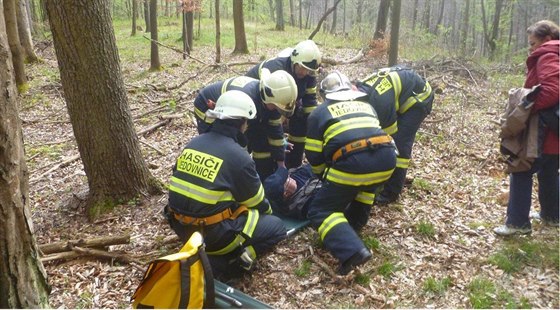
(96, 109)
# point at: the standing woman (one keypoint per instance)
(542, 68)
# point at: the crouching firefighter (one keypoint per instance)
(402, 99)
(215, 189)
(351, 153)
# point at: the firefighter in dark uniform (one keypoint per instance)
(402, 99)
(274, 95)
(302, 62)
(215, 189)
(354, 156)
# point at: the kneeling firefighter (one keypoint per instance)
(215, 189)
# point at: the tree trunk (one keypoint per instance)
(189, 23)
(329, 11)
(292, 17)
(382, 17)
(465, 34)
(300, 14)
(280, 15)
(15, 44)
(22, 277)
(218, 33)
(147, 15)
(440, 17)
(427, 11)
(24, 31)
(333, 25)
(395, 25)
(359, 11)
(134, 16)
(105, 135)
(239, 26)
(344, 17)
(271, 7)
(414, 14)
(155, 65)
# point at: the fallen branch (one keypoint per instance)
(326, 268)
(438, 120)
(152, 147)
(62, 246)
(62, 164)
(176, 50)
(123, 258)
(153, 127)
(61, 255)
(331, 61)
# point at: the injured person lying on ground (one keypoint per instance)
(290, 191)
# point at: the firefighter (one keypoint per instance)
(302, 62)
(354, 156)
(402, 99)
(215, 189)
(274, 95)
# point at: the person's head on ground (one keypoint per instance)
(279, 91)
(306, 59)
(234, 108)
(337, 86)
(541, 32)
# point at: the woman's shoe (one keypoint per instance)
(507, 230)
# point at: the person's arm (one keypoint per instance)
(249, 190)
(547, 74)
(275, 135)
(314, 146)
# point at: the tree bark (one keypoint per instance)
(15, 44)
(155, 64)
(63, 246)
(134, 16)
(414, 14)
(427, 11)
(24, 31)
(218, 31)
(239, 26)
(329, 11)
(280, 15)
(271, 7)
(300, 14)
(22, 276)
(89, 68)
(440, 17)
(147, 15)
(382, 17)
(465, 30)
(395, 25)
(333, 25)
(292, 17)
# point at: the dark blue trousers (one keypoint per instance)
(521, 188)
(408, 124)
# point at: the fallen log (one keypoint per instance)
(64, 246)
(123, 258)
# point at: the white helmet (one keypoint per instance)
(233, 104)
(279, 88)
(307, 54)
(337, 86)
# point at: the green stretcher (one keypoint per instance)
(228, 297)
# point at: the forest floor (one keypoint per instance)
(434, 248)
